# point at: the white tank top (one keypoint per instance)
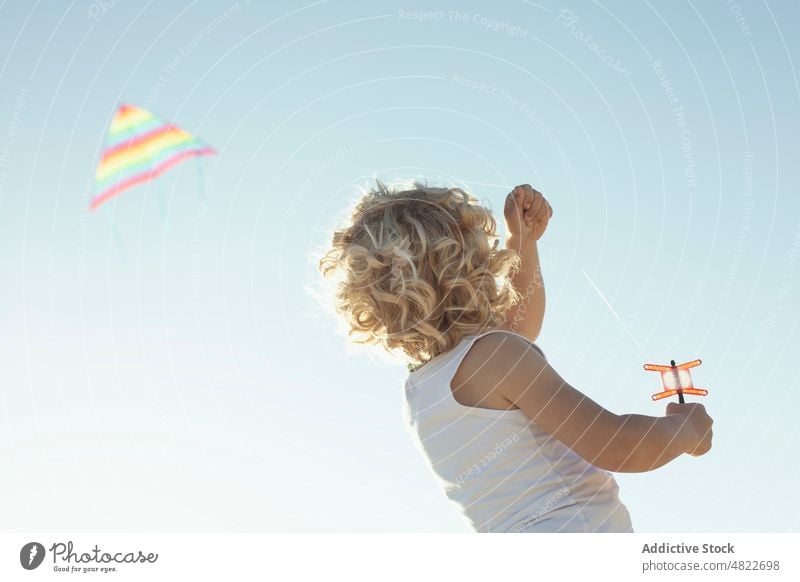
(504, 472)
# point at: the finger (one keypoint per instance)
(511, 200)
(519, 194)
(530, 218)
(538, 210)
(538, 204)
(530, 196)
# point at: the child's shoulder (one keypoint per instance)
(495, 352)
(494, 345)
(502, 339)
(478, 378)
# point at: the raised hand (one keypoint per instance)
(527, 213)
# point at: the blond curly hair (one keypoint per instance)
(417, 270)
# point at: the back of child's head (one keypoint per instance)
(417, 270)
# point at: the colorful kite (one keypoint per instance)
(676, 380)
(140, 147)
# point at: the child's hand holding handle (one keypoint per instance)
(694, 426)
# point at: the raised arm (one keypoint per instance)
(506, 364)
(527, 214)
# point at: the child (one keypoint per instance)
(513, 445)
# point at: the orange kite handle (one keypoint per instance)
(688, 365)
(682, 380)
(665, 394)
(660, 368)
(668, 393)
(657, 368)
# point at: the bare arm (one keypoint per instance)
(507, 365)
(527, 215)
(527, 316)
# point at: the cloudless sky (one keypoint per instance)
(164, 364)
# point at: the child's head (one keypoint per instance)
(417, 270)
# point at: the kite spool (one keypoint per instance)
(676, 380)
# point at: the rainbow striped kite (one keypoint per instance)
(140, 147)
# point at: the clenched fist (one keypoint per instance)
(527, 213)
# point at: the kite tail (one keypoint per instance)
(162, 205)
(201, 179)
(117, 239)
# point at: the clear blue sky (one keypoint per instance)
(162, 362)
